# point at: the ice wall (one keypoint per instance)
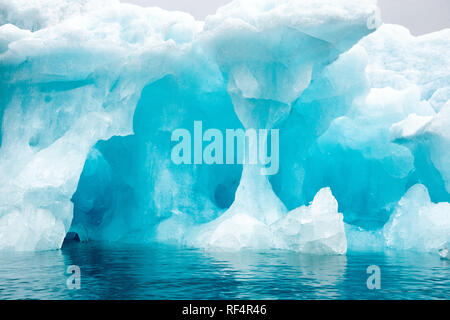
(63, 88)
(90, 92)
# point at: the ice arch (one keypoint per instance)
(89, 98)
(256, 84)
(129, 184)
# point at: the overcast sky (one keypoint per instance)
(419, 16)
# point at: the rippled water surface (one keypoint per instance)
(165, 272)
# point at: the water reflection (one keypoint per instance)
(300, 273)
(167, 272)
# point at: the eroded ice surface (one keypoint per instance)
(417, 223)
(90, 92)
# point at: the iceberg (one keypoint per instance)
(314, 229)
(92, 90)
(417, 223)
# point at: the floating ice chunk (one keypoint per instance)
(417, 223)
(315, 229)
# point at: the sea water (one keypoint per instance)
(111, 271)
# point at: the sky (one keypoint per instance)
(419, 16)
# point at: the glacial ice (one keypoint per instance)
(417, 223)
(91, 90)
(314, 229)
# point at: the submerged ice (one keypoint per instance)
(91, 92)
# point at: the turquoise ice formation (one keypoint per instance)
(90, 92)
